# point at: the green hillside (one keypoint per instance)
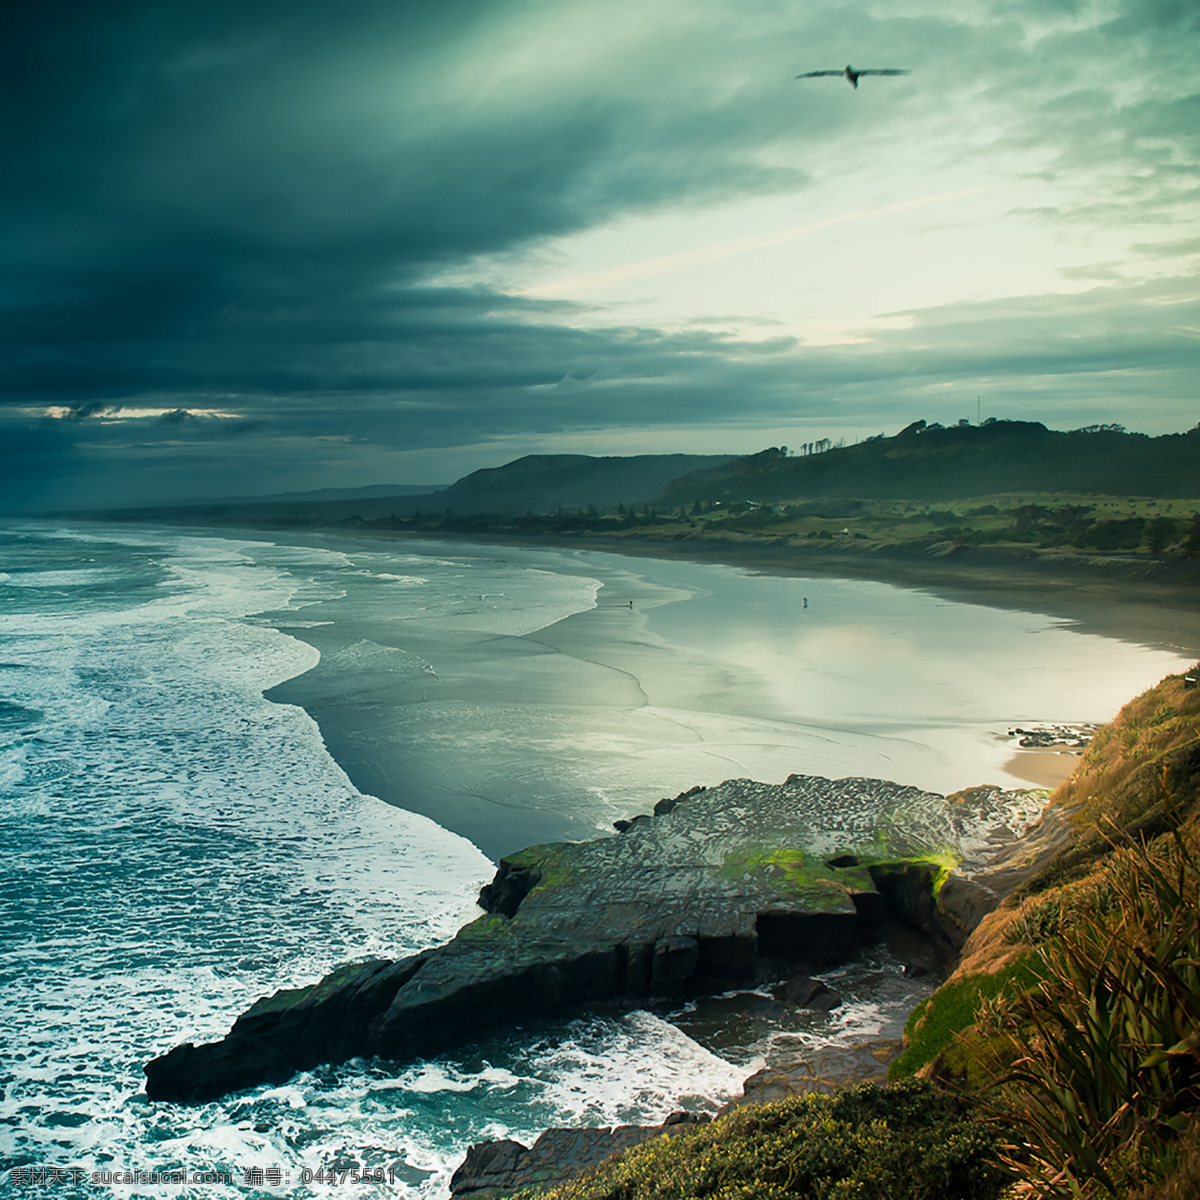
(537, 483)
(929, 462)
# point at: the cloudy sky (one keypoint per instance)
(260, 246)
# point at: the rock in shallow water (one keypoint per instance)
(721, 888)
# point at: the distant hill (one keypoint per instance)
(320, 495)
(537, 483)
(923, 462)
(931, 462)
(541, 482)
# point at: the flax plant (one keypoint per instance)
(1101, 1059)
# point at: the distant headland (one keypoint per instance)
(1096, 524)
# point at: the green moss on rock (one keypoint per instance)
(953, 1008)
(284, 998)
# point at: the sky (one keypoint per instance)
(255, 247)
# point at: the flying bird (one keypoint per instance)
(852, 76)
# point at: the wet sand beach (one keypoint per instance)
(1150, 604)
(713, 672)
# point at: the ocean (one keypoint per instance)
(230, 762)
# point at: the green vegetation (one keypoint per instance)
(1042, 524)
(930, 463)
(933, 1024)
(1087, 1036)
(937, 865)
(1012, 486)
(910, 1141)
(551, 862)
(487, 928)
(1139, 765)
(1065, 530)
(1102, 1057)
(789, 870)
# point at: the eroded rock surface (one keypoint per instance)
(824, 1072)
(722, 887)
(502, 1168)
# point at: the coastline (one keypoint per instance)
(1133, 600)
(717, 672)
(542, 544)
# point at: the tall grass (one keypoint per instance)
(1101, 1060)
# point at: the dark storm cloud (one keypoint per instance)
(227, 216)
(240, 199)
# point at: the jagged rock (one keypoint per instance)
(805, 992)
(501, 1168)
(960, 905)
(724, 887)
(828, 1070)
(908, 888)
(826, 1000)
(510, 886)
(489, 1167)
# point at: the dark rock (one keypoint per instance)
(510, 886)
(805, 992)
(674, 963)
(814, 937)
(908, 888)
(961, 904)
(665, 806)
(826, 1000)
(719, 890)
(915, 971)
(501, 1168)
(686, 1118)
(192, 1074)
(825, 1072)
(488, 1166)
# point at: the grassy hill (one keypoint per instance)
(967, 500)
(541, 483)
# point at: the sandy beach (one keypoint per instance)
(1154, 605)
(716, 671)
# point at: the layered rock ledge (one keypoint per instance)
(722, 887)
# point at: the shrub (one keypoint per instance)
(907, 1141)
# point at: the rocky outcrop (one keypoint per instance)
(502, 1168)
(824, 1073)
(721, 888)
